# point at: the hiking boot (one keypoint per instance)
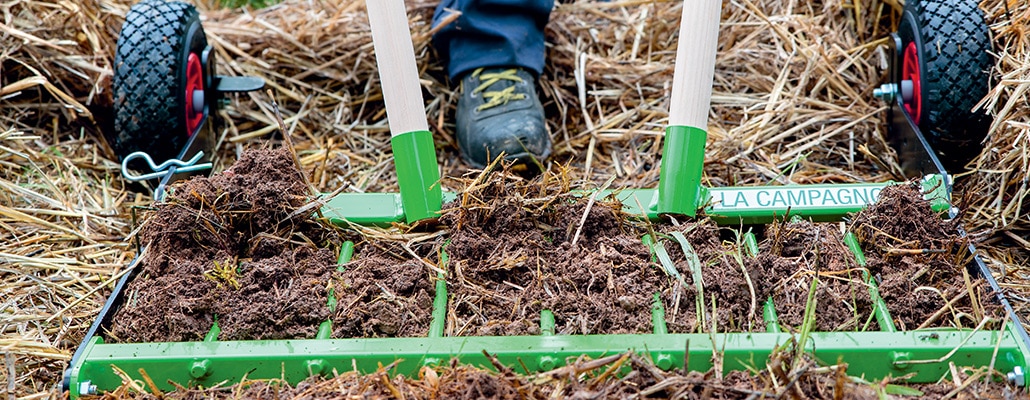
(499, 112)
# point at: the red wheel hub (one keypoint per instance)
(194, 82)
(910, 72)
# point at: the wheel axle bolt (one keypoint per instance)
(886, 92)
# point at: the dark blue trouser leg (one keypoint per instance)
(493, 33)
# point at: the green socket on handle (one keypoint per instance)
(417, 175)
(683, 159)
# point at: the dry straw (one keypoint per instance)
(792, 104)
(1000, 173)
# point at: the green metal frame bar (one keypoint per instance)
(874, 355)
(679, 190)
(726, 206)
(375, 209)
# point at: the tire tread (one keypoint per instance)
(956, 54)
(147, 62)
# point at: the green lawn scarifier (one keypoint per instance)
(922, 355)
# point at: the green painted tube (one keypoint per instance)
(856, 248)
(546, 323)
(750, 244)
(212, 335)
(418, 175)
(346, 253)
(658, 316)
(683, 159)
(772, 321)
(439, 322)
(325, 330)
(331, 302)
(880, 311)
(439, 308)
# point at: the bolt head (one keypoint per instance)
(200, 369)
(547, 363)
(900, 359)
(317, 367)
(87, 387)
(663, 361)
(886, 92)
(1017, 376)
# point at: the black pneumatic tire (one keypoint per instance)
(952, 42)
(150, 77)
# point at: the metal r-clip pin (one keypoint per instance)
(163, 169)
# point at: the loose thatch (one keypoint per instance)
(792, 104)
(997, 183)
(1003, 164)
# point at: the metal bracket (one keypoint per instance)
(238, 84)
(917, 157)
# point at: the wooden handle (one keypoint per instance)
(395, 56)
(695, 64)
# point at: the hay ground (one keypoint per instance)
(792, 104)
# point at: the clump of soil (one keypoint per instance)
(795, 252)
(738, 297)
(518, 247)
(918, 260)
(227, 248)
(381, 296)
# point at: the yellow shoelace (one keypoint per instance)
(495, 98)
